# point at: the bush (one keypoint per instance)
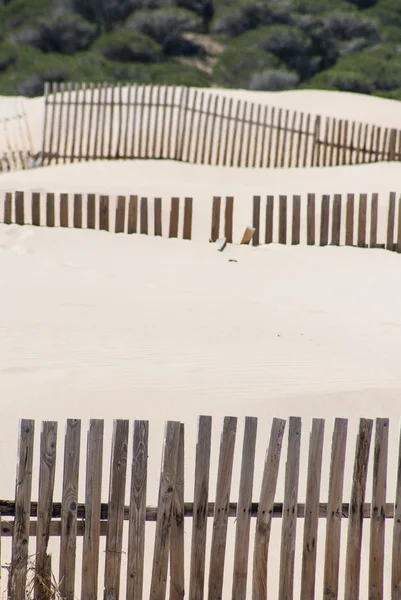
(164, 25)
(203, 8)
(248, 15)
(361, 4)
(320, 7)
(19, 12)
(273, 80)
(8, 55)
(343, 81)
(234, 67)
(346, 26)
(128, 46)
(386, 12)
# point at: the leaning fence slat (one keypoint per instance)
(228, 219)
(336, 223)
(311, 220)
(64, 210)
(19, 551)
(104, 213)
(19, 208)
(363, 199)
(324, 220)
(132, 214)
(220, 519)
(334, 510)
(309, 553)
(242, 136)
(296, 220)
(115, 518)
(77, 215)
(182, 134)
(349, 221)
(199, 524)
(215, 230)
(355, 523)
(8, 209)
(256, 138)
(67, 125)
(289, 520)
(390, 222)
(278, 136)
(158, 217)
(373, 220)
(120, 215)
(248, 147)
(177, 578)
(244, 507)
(36, 209)
(93, 491)
(50, 220)
(220, 131)
(137, 511)
(282, 220)
(269, 220)
(164, 511)
(174, 216)
(187, 228)
(68, 538)
(256, 220)
(91, 211)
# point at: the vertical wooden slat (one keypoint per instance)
(336, 223)
(399, 227)
(50, 217)
(365, 155)
(132, 214)
(228, 219)
(158, 216)
(396, 549)
(205, 129)
(163, 122)
(265, 510)
(91, 211)
(263, 142)
(67, 126)
(349, 221)
(82, 128)
(220, 133)
(148, 145)
(199, 523)
(77, 216)
(244, 507)
(372, 143)
(309, 554)
(215, 229)
(103, 106)
(310, 233)
(75, 121)
(392, 145)
(93, 491)
(69, 506)
(332, 142)
(47, 159)
(284, 142)
(324, 220)
(134, 128)
(183, 133)
(299, 140)
(187, 228)
(23, 487)
(355, 523)
(177, 578)
(241, 137)
(296, 220)
(358, 144)
(144, 216)
(292, 135)
(278, 136)
(115, 519)
(234, 135)
(19, 208)
(351, 144)
(339, 142)
(256, 138)
(137, 511)
(219, 535)
(363, 199)
(174, 216)
(256, 220)
(390, 222)
(170, 138)
(307, 136)
(271, 127)
(164, 511)
(36, 209)
(289, 520)
(8, 208)
(334, 510)
(282, 225)
(155, 153)
(373, 220)
(269, 220)
(104, 213)
(227, 132)
(46, 93)
(345, 145)
(90, 119)
(120, 215)
(198, 131)
(64, 210)
(212, 130)
(316, 142)
(248, 146)
(120, 121)
(378, 510)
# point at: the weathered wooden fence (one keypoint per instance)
(329, 220)
(103, 121)
(69, 519)
(15, 138)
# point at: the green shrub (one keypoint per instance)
(235, 67)
(19, 12)
(273, 81)
(344, 81)
(8, 55)
(320, 7)
(386, 12)
(128, 46)
(347, 26)
(164, 25)
(243, 16)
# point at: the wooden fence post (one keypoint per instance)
(269, 220)
(316, 142)
(215, 229)
(336, 224)
(363, 198)
(349, 222)
(177, 552)
(256, 220)
(64, 210)
(158, 216)
(282, 225)
(228, 219)
(144, 216)
(19, 208)
(311, 220)
(187, 229)
(373, 220)
(77, 216)
(392, 145)
(36, 209)
(174, 215)
(296, 220)
(133, 214)
(324, 220)
(120, 215)
(390, 222)
(8, 209)
(104, 213)
(50, 210)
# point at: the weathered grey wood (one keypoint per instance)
(390, 222)
(296, 220)
(46, 93)
(137, 511)
(198, 130)
(265, 511)
(334, 510)
(278, 135)
(164, 511)
(392, 145)
(354, 539)
(132, 214)
(8, 208)
(63, 210)
(93, 492)
(324, 220)
(205, 129)
(170, 138)
(234, 134)
(19, 208)
(23, 487)
(158, 216)
(67, 125)
(271, 128)
(104, 213)
(148, 145)
(396, 549)
(227, 132)
(263, 142)
(212, 130)
(349, 221)
(228, 219)
(69, 509)
(182, 134)
(248, 146)
(36, 209)
(256, 138)
(115, 521)
(256, 220)
(241, 137)
(47, 471)
(377, 523)
(144, 216)
(215, 229)
(90, 120)
(77, 216)
(241, 549)
(174, 216)
(336, 223)
(187, 228)
(289, 522)
(269, 220)
(120, 215)
(398, 243)
(310, 234)
(177, 577)
(200, 509)
(91, 211)
(299, 136)
(220, 519)
(309, 553)
(282, 223)
(373, 220)
(75, 122)
(284, 142)
(363, 200)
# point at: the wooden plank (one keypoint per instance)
(50, 216)
(23, 488)
(120, 215)
(284, 142)
(220, 130)
(47, 471)
(311, 216)
(288, 531)
(104, 213)
(256, 220)
(349, 221)
(192, 109)
(187, 228)
(227, 132)
(170, 138)
(155, 153)
(132, 214)
(115, 521)
(46, 93)
(228, 219)
(241, 548)
(137, 511)
(372, 143)
(64, 210)
(282, 224)
(212, 131)
(265, 511)
(336, 223)
(205, 129)
(220, 519)
(373, 220)
(77, 216)
(383, 150)
(158, 216)
(8, 209)
(93, 492)
(19, 208)
(184, 126)
(215, 229)
(296, 220)
(234, 135)
(339, 142)
(164, 511)
(354, 539)
(163, 122)
(278, 136)
(144, 216)
(200, 512)
(177, 577)
(358, 144)
(363, 200)
(334, 510)
(392, 145)
(263, 142)
(344, 159)
(292, 135)
(377, 523)
(351, 144)
(390, 222)
(36, 209)
(269, 220)
(133, 129)
(332, 141)
(148, 144)
(309, 553)
(120, 121)
(198, 131)
(248, 146)
(174, 216)
(75, 121)
(299, 136)
(91, 211)
(67, 126)
(316, 142)
(256, 138)
(396, 549)
(69, 509)
(247, 236)
(241, 137)
(399, 226)
(324, 220)
(307, 136)
(48, 158)
(90, 120)
(271, 126)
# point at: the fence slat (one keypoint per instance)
(198, 130)
(64, 210)
(278, 136)
(19, 551)
(137, 511)
(256, 220)
(289, 521)
(354, 539)
(269, 220)
(174, 216)
(228, 219)
(8, 209)
(120, 215)
(132, 214)
(77, 215)
(187, 229)
(334, 510)
(215, 230)
(227, 132)
(311, 220)
(312, 510)
(19, 208)
(199, 524)
(324, 220)
(271, 130)
(296, 219)
(164, 511)
(396, 550)
(377, 523)
(263, 142)
(144, 216)
(104, 213)
(336, 223)
(390, 222)
(256, 138)
(399, 227)
(69, 503)
(177, 578)
(93, 491)
(115, 520)
(282, 225)
(244, 507)
(363, 199)
(35, 209)
(248, 147)
(158, 216)
(349, 221)
(90, 120)
(91, 211)
(373, 220)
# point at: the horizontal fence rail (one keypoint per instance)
(16, 147)
(105, 121)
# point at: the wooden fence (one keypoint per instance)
(321, 222)
(69, 519)
(16, 146)
(103, 121)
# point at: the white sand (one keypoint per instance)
(114, 326)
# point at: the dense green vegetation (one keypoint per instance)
(350, 45)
